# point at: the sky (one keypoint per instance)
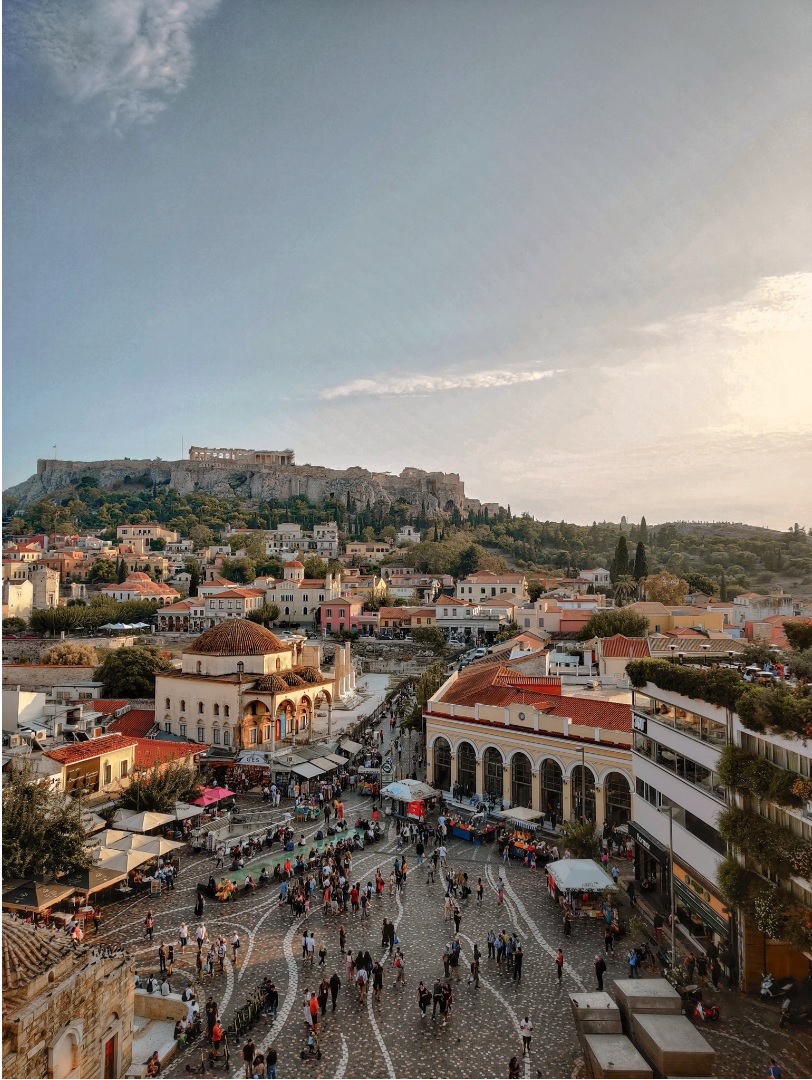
(563, 249)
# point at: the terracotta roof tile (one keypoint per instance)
(237, 637)
(107, 705)
(137, 723)
(149, 752)
(621, 646)
(81, 751)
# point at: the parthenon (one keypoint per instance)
(248, 457)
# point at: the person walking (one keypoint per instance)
(514, 1069)
(518, 960)
(149, 924)
(436, 996)
(248, 1054)
(216, 1037)
(377, 981)
(183, 937)
(322, 994)
(211, 1015)
(335, 986)
(500, 891)
(162, 958)
(608, 941)
(170, 959)
(600, 968)
(480, 890)
(526, 1029)
(271, 1058)
(559, 965)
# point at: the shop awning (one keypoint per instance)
(647, 842)
(324, 763)
(695, 903)
(36, 895)
(306, 770)
(579, 875)
(520, 815)
(350, 746)
(336, 759)
(408, 790)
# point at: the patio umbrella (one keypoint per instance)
(155, 845)
(92, 880)
(36, 895)
(212, 795)
(145, 821)
(122, 861)
(183, 811)
(92, 822)
(109, 837)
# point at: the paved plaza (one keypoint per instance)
(392, 1038)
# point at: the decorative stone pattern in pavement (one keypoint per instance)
(392, 1038)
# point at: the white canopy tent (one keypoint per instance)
(408, 791)
(579, 875)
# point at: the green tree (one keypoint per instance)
(158, 544)
(702, 583)
(581, 838)
(160, 788)
(103, 571)
(643, 532)
(201, 536)
(13, 623)
(429, 635)
(43, 833)
(799, 634)
(69, 653)
(314, 567)
(130, 672)
(610, 621)
(620, 563)
(625, 590)
(122, 571)
(470, 560)
(640, 560)
(508, 631)
(242, 570)
(264, 615)
(193, 567)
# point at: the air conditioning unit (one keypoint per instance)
(15, 740)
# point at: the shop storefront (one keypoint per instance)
(651, 861)
(699, 909)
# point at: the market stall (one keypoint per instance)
(583, 888)
(408, 798)
(520, 829)
(475, 828)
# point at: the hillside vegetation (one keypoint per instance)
(723, 557)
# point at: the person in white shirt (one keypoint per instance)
(526, 1029)
(166, 989)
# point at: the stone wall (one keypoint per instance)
(88, 1003)
(438, 492)
(42, 677)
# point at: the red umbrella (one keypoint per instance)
(213, 795)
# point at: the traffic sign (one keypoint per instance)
(387, 766)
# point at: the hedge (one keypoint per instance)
(751, 775)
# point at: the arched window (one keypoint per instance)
(552, 787)
(200, 707)
(226, 737)
(618, 797)
(582, 787)
(215, 735)
(278, 663)
(167, 704)
(493, 772)
(466, 768)
(287, 611)
(199, 667)
(240, 667)
(304, 611)
(521, 781)
(226, 710)
(182, 705)
(442, 764)
(216, 710)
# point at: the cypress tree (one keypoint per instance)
(640, 561)
(643, 531)
(194, 579)
(121, 571)
(620, 563)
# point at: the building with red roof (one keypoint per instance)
(140, 586)
(496, 730)
(95, 768)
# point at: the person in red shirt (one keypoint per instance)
(314, 1011)
(354, 899)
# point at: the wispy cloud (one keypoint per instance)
(132, 56)
(433, 384)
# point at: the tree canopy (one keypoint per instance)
(67, 653)
(161, 787)
(43, 833)
(799, 634)
(609, 621)
(130, 672)
(264, 615)
(665, 588)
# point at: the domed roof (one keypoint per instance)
(292, 679)
(28, 953)
(271, 684)
(237, 637)
(310, 674)
(295, 562)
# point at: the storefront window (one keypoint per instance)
(442, 765)
(552, 786)
(583, 787)
(493, 772)
(521, 777)
(618, 799)
(466, 768)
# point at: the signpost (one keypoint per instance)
(386, 766)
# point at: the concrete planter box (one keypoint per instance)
(596, 1014)
(645, 996)
(672, 1045)
(614, 1056)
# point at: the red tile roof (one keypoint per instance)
(238, 593)
(149, 752)
(137, 723)
(501, 685)
(295, 562)
(621, 646)
(218, 581)
(81, 751)
(106, 705)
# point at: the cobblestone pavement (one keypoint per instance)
(392, 1038)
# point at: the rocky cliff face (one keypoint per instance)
(439, 492)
